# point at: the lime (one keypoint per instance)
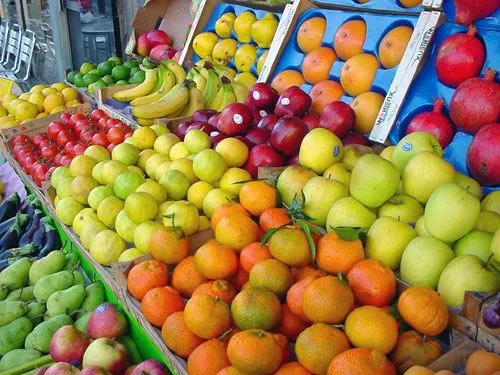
(143, 234)
(120, 72)
(97, 72)
(108, 79)
(121, 82)
(86, 67)
(176, 183)
(71, 76)
(125, 153)
(90, 78)
(125, 227)
(115, 60)
(108, 210)
(92, 88)
(78, 80)
(106, 247)
(141, 207)
(148, 63)
(131, 64)
(127, 183)
(137, 78)
(134, 70)
(67, 208)
(98, 194)
(105, 67)
(208, 166)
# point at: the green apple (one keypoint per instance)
(403, 208)
(424, 173)
(488, 221)
(420, 227)
(354, 152)
(387, 153)
(423, 261)
(411, 145)
(495, 246)
(466, 273)
(373, 180)
(320, 194)
(348, 212)
(291, 182)
(164, 143)
(387, 239)
(491, 202)
(339, 172)
(319, 149)
(469, 184)
(476, 242)
(451, 212)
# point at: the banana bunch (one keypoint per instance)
(146, 87)
(224, 96)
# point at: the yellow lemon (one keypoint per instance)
(72, 103)
(59, 86)
(57, 109)
(232, 180)
(41, 115)
(37, 99)
(7, 99)
(203, 223)
(130, 254)
(233, 151)
(25, 110)
(69, 94)
(37, 88)
(53, 101)
(197, 193)
(49, 90)
(12, 106)
(3, 112)
(6, 119)
(25, 96)
(27, 120)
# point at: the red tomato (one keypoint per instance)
(102, 122)
(37, 139)
(96, 115)
(48, 152)
(63, 138)
(28, 164)
(54, 128)
(21, 140)
(80, 126)
(113, 122)
(68, 148)
(111, 147)
(100, 139)
(65, 118)
(79, 149)
(66, 160)
(57, 158)
(76, 117)
(46, 142)
(86, 136)
(116, 135)
(39, 173)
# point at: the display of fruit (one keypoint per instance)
(156, 44)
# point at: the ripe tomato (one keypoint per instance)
(116, 135)
(65, 118)
(50, 171)
(80, 126)
(79, 149)
(54, 128)
(48, 152)
(21, 140)
(75, 118)
(63, 138)
(68, 148)
(113, 122)
(28, 164)
(86, 136)
(39, 173)
(96, 115)
(57, 158)
(100, 139)
(46, 142)
(66, 160)
(39, 138)
(111, 147)
(102, 122)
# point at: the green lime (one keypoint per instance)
(148, 63)
(71, 76)
(121, 82)
(97, 72)
(131, 63)
(79, 80)
(120, 72)
(137, 77)
(94, 86)
(134, 70)
(87, 67)
(105, 67)
(116, 60)
(108, 79)
(90, 78)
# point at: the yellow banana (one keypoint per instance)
(196, 101)
(161, 70)
(178, 70)
(217, 101)
(143, 89)
(203, 71)
(173, 101)
(211, 87)
(240, 91)
(168, 81)
(228, 98)
(225, 71)
(199, 80)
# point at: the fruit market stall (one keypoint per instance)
(309, 181)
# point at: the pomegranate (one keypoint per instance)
(467, 11)
(434, 122)
(460, 57)
(483, 156)
(475, 103)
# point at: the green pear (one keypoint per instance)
(320, 194)
(469, 184)
(476, 242)
(243, 26)
(424, 173)
(423, 261)
(491, 202)
(387, 239)
(291, 182)
(411, 145)
(451, 212)
(348, 212)
(403, 208)
(466, 273)
(264, 29)
(224, 51)
(488, 221)
(373, 180)
(339, 172)
(495, 246)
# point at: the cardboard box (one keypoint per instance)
(495, 332)
(456, 358)
(473, 305)
(172, 16)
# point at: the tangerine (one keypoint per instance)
(177, 336)
(283, 343)
(237, 231)
(287, 78)
(310, 34)
(300, 273)
(291, 325)
(231, 370)
(216, 261)
(361, 361)
(169, 245)
(159, 303)
(290, 246)
(349, 39)
(292, 368)
(226, 209)
(317, 64)
(222, 289)
(272, 275)
(145, 276)
(207, 316)
(273, 218)
(295, 295)
(335, 255)
(252, 254)
(186, 277)
(208, 358)
(256, 196)
(256, 308)
(324, 93)
(482, 362)
(240, 279)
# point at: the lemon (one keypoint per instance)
(67, 208)
(41, 115)
(208, 166)
(176, 183)
(161, 169)
(162, 211)
(82, 218)
(69, 94)
(53, 101)
(108, 210)
(37, 99)
(60, 86)
(49, 90)
(160, 129)
(72, 103)
(6, 119)
(129, 255)
(232, 180)
(125, 227)
(141, 207)
(214, 199)
(143, 158)
(144, 138)
(196, 141)
(90, 230)
(3, 112)
(12, 106)
(184, 215)
(7, 99)
(82, 165)
(178, 150)
(197, 193)
(158, 192)
(106, 247)
(57, 109)
(185, 166)
(143, 233)
(233, 151)
(203, 223)
(25, 110)
(37, 88)
(25, 96)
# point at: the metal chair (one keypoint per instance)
(23, 69)
(11, 60)
(4, 35)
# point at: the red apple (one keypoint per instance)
(258, 136)
(107, 354)
(156, 37)
(162, 52)
(246, 141)
(287, 135)
(311, 119)
(68, 344)
(214, 119)
(150, 367)
(294, 160)
(106, 321)
(203, 126)
(62, 368)
(293, 102)
(216, 136)
(142, 46)
(94, 370)
(203, 115)
(235, 119)
(268, 122)
(338, 117)
(262, 156)
(258, 114)
(356, 139)
(181, 129)
(483, 156)
(262, 96)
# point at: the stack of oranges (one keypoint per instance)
(235, 304)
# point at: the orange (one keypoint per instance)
(226, 209)
(222, 289)
(216, 261)
(159, 303)
(310, 34)
(335, 255)
(324, 93)
(300, 273)
(349, 39)
(361, 361)
(290, 246)
(252, 254)
(237, 231)
(291, 325)
(286, 79)
(372, 282)
(146, 276)
(295, 296)
(317, 64)
(393, 46)
(177, 337)
(169, 245)
(186, 277)
(272, 275)
(481, 363)
(327, 300)
(318, 345)
(256, 196)
(412, 349)
(292, 368)
(358, 73)
(231, 370)
(254, 351)
(371, 327)
(207, 316)
(256, 308)
(283, 343)
(366, 106)
(424, 309)
(273, 218)
(418, 370)
(240, 279)
(208, 358)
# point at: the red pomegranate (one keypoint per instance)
(460, 57)
(467, 11)
(434, 122)
(483, 156)
(475, 103)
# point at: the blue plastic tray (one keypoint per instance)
(221, 9)
(427, 87)
(377, 27)
(372, 5)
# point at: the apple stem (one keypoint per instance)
(490, 74)
(438, 105)
(472, 30)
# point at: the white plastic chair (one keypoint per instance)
(11, 60)
(23, 69)
(4, 35)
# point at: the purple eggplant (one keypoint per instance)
(491, 315)
(9, 207)
(11, 238)
(31, 228)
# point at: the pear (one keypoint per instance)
(246, 79)
(469, 184)
(495, 246)
(264, 29)
(224, 25)
(348, 212)
(204, 43)
(245, 57)
(224, 51)
(261, 61)
(243, 26)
